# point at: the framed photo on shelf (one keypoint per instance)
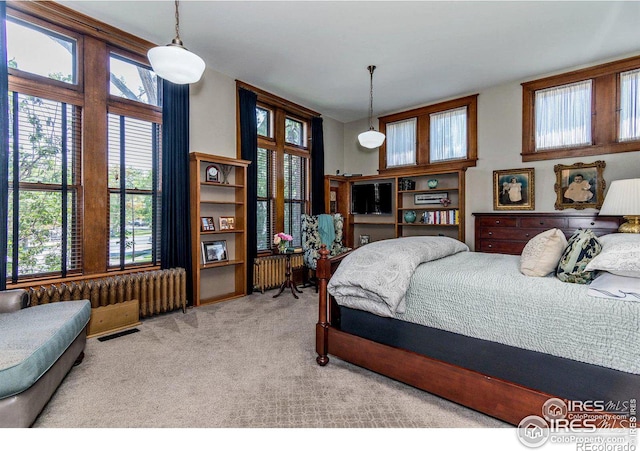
(214, 251)
(227, 223)
(429, 198)
(579, 185)
(206, 224)
(213, 173)
(514, 189)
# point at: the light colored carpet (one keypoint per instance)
(246, 363)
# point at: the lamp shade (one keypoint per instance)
(623, 198)
(371, 139)
(176, 64)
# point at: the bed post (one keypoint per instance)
(323, 273)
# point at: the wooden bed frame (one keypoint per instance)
(498, 398)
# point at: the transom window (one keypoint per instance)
(591, 111)
(263, 116)
(133, 81)
(629, 129)
(40, 51)
(440, 134)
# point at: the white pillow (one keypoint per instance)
(611, 286)
(620, 255)
(541, 254)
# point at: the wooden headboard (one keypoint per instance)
(508, 233)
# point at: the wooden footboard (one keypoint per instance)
(498, 398)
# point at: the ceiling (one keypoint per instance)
(316, 53)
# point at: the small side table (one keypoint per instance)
(288, 281)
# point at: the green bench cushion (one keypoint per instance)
(32, 340)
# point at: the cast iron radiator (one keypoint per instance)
(158, 291)
(269, 272)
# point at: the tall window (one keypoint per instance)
(283, 169)
(71, 210)
(44, 224)
(266, 198)
(133, 191)
(590, 111)
(44, 233)
(443, 134)
(295, 195)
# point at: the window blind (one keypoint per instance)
(448, 135)
(401, 142)
(629, 128)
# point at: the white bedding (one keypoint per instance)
(612, 286)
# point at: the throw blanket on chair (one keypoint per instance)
(375, 277)
(326, 229)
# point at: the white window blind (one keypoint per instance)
(448, 135)
(563, 116)
(629, 105)
(401, 142)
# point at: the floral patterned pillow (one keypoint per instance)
(582, 247)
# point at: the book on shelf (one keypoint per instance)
(441, 217)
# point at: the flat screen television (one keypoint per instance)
(371, 198)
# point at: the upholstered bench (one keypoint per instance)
(38, 347)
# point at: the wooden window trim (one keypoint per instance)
(422, 135)
(605, 111)
(95, 41)
(281, 109)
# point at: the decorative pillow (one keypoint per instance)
(541, 254)
(583, 246)
(620, 255)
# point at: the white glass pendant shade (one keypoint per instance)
(176, 64)
(371, 139)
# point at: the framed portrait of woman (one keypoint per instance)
(514, 189)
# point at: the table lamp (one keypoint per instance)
(623, 199)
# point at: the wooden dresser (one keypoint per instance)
(508, 233)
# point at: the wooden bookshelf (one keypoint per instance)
(217, 281)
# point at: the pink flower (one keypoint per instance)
(284, 236)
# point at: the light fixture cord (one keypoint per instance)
(177, 22)
(371, 69)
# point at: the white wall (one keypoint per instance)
(213, 121)
(213, 115)
(499, 147)
(333, 145)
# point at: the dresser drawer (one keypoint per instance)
(590, 223)
(544, 223)
(502, 247)
(497, 222)
(504, 233)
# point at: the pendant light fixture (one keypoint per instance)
(174, 62)
(372, 138)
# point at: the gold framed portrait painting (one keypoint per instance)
(579, 185)
(514, 189)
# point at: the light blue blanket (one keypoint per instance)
(485, 296)
(326, 229)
